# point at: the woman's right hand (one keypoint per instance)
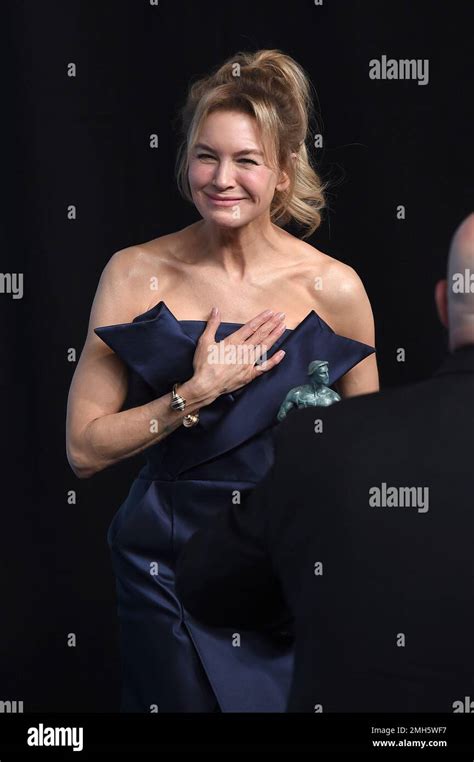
(227, 365)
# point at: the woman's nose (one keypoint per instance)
(223, 174)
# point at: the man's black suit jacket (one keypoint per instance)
(379, 579)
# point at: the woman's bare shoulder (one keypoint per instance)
(330, 266)
(140, 258)
(144, 269)
(339, 294)
(132, 279)
(333, 289)
(337, 279)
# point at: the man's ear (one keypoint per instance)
(441, 299)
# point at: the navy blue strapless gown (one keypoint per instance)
(170, 661)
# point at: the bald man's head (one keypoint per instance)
(455, 295)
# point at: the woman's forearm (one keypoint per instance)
(111, 438)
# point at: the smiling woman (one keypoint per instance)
(203, 423)
(274, 93)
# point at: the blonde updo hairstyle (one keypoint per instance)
(271, 87)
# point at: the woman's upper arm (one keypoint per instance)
(353, 318)
(99, 384)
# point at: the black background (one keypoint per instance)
(85, 141)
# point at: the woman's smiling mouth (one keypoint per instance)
(223, 200)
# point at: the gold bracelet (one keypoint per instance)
(179, 403)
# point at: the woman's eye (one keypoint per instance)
(208, 156)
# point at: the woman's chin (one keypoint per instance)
(227, 219)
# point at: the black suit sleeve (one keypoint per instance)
(225, 575)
